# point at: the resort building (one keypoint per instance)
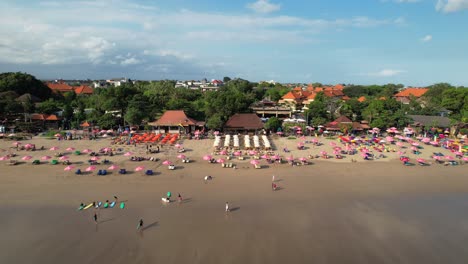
(243, 123)
(59, 87)
(405, 96)
(176, 121)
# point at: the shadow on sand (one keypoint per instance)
(154, 224)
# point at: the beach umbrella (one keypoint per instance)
(314, 140)
(265, 157)
(279, 133)
(399, 144)
(57, 135)
(68, 168)
(276, 157)
(220, 160)
(91, 168)
(94, 158)
(252, 152)
(207, 157)
(458, 153)
(421, 160)
(416, 144)
(254, 162)
(54, 148)
(16, 143)
(302, 159)
(465, 158)
(364, 154)
(64, 158)
(333, 144)
(128, 154)
(300, 144)
(113, 167)
(105, 135)
(107, 149)
(110, 131)
(290, 158)
(449, 157)
(437, 157)
(70, 149)
(4, 158)
(181, 156)
(26, 158)
(223, 152)
(87, 151)
(426, 140)
(323, 153)
(167, 162)
(46, 157)
(414, 148)
(336, 152)
(28, 146)
(177, 145)
(139, 168)
(237, 153)
(389, 139)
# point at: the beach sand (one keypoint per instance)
(327, 212)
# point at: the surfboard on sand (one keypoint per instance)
(88, 206)
(106, 205)
(112, 205)
(98, 204)
(80, 208)
(122, 205)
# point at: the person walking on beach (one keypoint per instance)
(140, 224)
(95, 218)
(179, 198)
(273, 178)
(227, 207)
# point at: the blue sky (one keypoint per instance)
(414, 42)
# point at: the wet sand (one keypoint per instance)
(324, 213)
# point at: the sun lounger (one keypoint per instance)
(171, 167)
(257, 166)
(36, 162)
(122, 171)
(12, 162)
(54, 162)
(78, 172)
(149, 172)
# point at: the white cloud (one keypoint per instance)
(450, 6)
(263, 6)
(406, 1)
(387, 73)
(130, 61)
(426, 38)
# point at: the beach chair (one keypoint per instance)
(99, 172)
(36, 162)
(149, 172)
(78, 172)
(54, 162)
(257, 166)
(104, 172)
(12, 162)
(171, 167)
(77, 152)
(122, 171)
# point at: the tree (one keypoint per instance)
(226, 79)
(22, 83)
(48, 107)
(215, 122)
(273, 124)
(317, 112)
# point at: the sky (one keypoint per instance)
(413, 42)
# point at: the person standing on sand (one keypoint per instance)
(95, 218)
(227, 207)
(273, 178)
(179, 198)
(140, 224)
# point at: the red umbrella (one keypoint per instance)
(91, 168)
(26, 158)
(68, 168)
(254, 162)
(46, 157)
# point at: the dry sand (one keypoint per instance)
(327, 212)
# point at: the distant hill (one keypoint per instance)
(22, 83)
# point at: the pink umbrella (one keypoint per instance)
(252, 152)
(167, 162)
(449, 157)
(323, 153)
(254, 162)
(290, 158)
(87, 151)
(181, 156)
(220, 160)
(415, 144)
(113, 167)
(465, 158)
(26, 158)
(389, 139)
(279, 133)
(434, 143)
(336, 152)
(333, 144)
(276, 157)
(265, 157)
(28, 146)
(4, 158)
(237, 153)
(400, 153)
(458, 153)
(364, 154)
(94, 158)
(300, 144)
(177, 145)
(314, 140)
(437, 157)
(421, 160)
(399, 144)
(54, 148)
(207, 157)
(223, 152)
(91, 168)
(139, 168)
(107, 149)
(46, 158)
(216, 133)
(70, 149)
(57, 135)
(16, 143)
(68, 168)
(128, 154)
(426, 140)
(414, 148)
(302, 159)
(64, 158)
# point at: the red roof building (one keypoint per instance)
(84, 89)
(59, 87)
(172, 119)
(243, 122)
(405, 95)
